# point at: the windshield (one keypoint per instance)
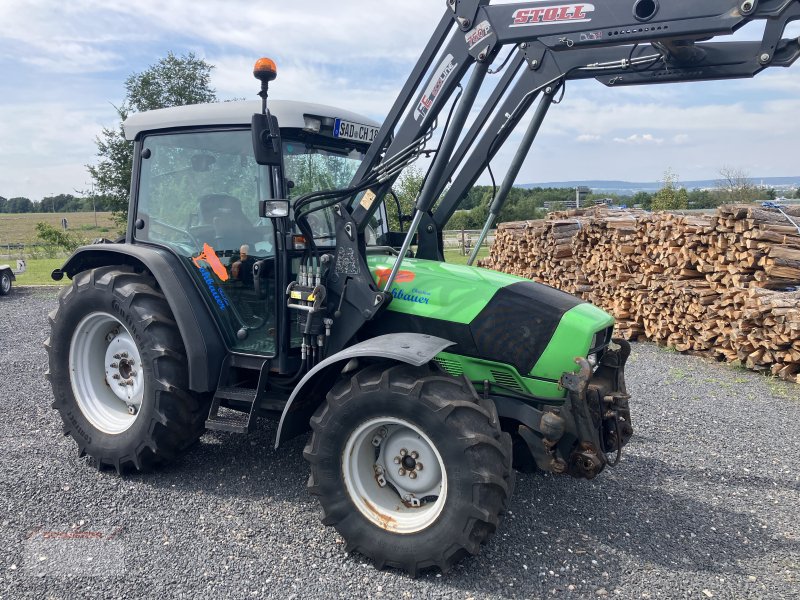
(312, 167)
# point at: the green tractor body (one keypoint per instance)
(517, 335)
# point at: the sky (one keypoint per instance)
(63, 66)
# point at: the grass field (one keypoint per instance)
(21, 228)
(456, 257)
(38, 272)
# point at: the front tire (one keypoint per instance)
(119, 373)
(410, 466)
(5, 283)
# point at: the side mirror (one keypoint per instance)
(273, 209)
(266, 140)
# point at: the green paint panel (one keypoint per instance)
(438, 290)
(572, 339)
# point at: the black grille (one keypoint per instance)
(518, 323)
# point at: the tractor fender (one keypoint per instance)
(414, 349)
(205, 346)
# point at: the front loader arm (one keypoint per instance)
(706, 61)
(472, 33)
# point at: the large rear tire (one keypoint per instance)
(410, 466)
(119, 373)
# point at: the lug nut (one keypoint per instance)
(115, 376)
(401, 472)
(419, 466)
(403, 451)
(397, 460)
(113, 365)
(412, 475)
(378, 470)
(117, 356)
(131, 362)
(414, 455)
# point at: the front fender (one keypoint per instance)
(205, 347)
(411, 348)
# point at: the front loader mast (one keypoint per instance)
(622, 42)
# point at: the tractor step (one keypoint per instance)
(232, 422)
(234, 408)
(237, 394)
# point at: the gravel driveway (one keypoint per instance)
(706, 503)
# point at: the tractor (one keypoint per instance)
(259, 277)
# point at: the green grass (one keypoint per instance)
(20, 228)
(38, 272)
(457, 258)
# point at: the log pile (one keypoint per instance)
(725, 285)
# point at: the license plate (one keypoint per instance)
(347, 130)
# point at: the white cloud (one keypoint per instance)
(587, 137)
(640, 139)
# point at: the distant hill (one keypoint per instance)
(611, 186)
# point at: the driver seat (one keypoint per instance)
(221, 217)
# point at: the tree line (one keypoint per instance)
(61, 203)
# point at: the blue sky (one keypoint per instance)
(63, 66)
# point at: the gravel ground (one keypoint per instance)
(704, 504)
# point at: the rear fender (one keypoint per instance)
(205, 347)
(411, 348)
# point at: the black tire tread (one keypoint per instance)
(460, 408)
(179, 415)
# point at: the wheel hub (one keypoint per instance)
(106, 373)
(395, 475)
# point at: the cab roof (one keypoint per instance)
(288, 112)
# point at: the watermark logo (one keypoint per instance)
(74, 551)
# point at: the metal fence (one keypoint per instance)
(465, 239)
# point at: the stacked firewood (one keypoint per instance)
(725, 285)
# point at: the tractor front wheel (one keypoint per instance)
(119, 372)
(410, 466)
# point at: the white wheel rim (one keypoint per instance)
(377, 466)
(106, 373)
(5, 282)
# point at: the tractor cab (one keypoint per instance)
(197, 191)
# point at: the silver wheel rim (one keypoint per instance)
(5, 282)
(106, 372)
(394, 475)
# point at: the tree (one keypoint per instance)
(406, 188)
(172, 81)
(669, 197)
(736, 185)
(797, 193)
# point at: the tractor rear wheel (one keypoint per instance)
(410, 466)
(119, 372)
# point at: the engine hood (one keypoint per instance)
(490, 315)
